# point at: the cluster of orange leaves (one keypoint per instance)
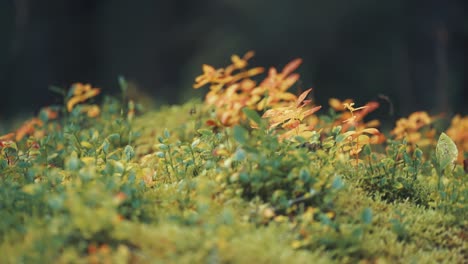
(232, 88)
(35, 127)
(291, 117)
(351, 117)
(411, 128)
(363, 133)
(32, 127)
(81, 93)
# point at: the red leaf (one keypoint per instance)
(211, 123)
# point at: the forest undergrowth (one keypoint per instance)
(253, 174)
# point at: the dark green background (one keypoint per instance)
(414, 52)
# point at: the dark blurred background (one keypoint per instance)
(414, 52)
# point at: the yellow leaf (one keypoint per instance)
(86, 144)
(335, 104)
(29, 188)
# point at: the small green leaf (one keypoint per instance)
(337, 183)
(252, 115)
(418, 153)
(129, 153)
(52, 156)
(304, 175)
(336, 130)
(244, 177)
(240, 154)
(86, 144)
(407, 158)
(43, 115)
(240, 134)
(71, 91)
(56, 202)
(73, 163)
(366, 150)
(342, 137)
(24, 164)
(163, 147)
(114, 139)
(446, 151)
(105, 146)
(357, 233)
(366, 216)
(118, 166)
(325, 220)
(205, 132)
(328, 144)
(398, 185)
(166, 133)
(300, 139)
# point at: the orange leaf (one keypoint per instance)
(378, 139)
(27, 128)
(51, 114)
(372, 131)
(291, 66)
(289, 81)
(302, 97)
(311, 111)
(249, 55)
(255, 71)
(93, 111)
(7, 137)
(291, 124)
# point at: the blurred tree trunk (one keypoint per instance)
(440, 35)
(21, 21)
(14, 16)
(442, 70)
(402, 71)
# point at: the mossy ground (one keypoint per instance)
(169, 198)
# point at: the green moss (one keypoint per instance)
(165, 188)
